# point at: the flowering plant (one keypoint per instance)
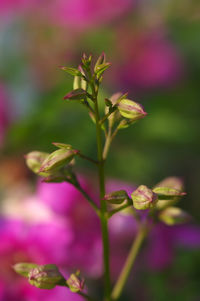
(147, 205)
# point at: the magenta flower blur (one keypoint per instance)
(84, 14)
(3, 113)
(33, 242)
(150, 60)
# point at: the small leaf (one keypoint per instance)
(77, 94)
(71, 71)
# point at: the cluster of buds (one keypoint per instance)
(161, 198)
(86, 83)
(42, 276)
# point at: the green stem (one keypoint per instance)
(116, 293)
(120, 208)
(103, 207)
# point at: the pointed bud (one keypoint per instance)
(35, 159)
(131, 110)
(116, 197)
(45, 276)
(86, 61)
(57, 160)
(101, 68)
(167, 192)
(101, 60)
(77, 94)
(23, 268)
(173, 216)
(143, 198)
(75, 283)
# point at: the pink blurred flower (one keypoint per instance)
(44, 242)
(4, 119)
(84, 14)
(149, 60)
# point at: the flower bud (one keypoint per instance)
(57, 160)
(116, 197)
(167, 192)
(75, 283)
(143, 198)
(101, 60)
(23, 268)
(131, 110)
(45, 276)
(35, 159)
(173, 216)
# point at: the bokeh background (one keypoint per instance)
(154, 49)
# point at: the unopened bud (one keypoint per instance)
(143, 198)
(101, 60)
(173, 216)
(116, 197)
(23, 268)
(35, 159)
(75, 283)
(57, 160)
(131, 110)
(167, 192)
(45, 276)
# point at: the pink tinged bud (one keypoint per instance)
(57, 160)
(173, 216)
(168, 192)
(143, 198)
(116, 197)
(45, 276)
(23, 268)
(101, 68)
(131, 110)
(75, 283)
(77, 94)
(34, 161)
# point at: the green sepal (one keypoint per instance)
(23, 268)
(57, 160)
